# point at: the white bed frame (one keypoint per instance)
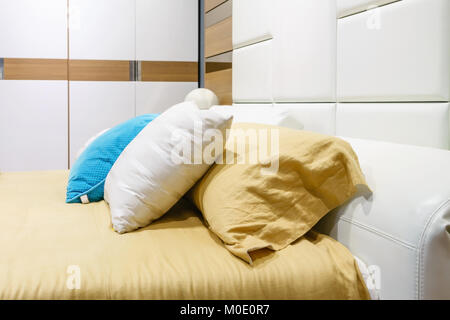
(381, 74)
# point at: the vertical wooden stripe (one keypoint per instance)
(35, 69)
(218, 50)
(218, 38)
(221, 83)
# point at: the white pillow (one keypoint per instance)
(204, 98)
(262, 115)
(148, 179)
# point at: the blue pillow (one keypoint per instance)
(88, 174)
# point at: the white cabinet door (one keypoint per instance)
(95, 106)
(167, 30)
(157, 97)
(102, 29)
(33, 125)
(33, 29)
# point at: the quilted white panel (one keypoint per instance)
(252, 73)
(347, 7)
(304, 50)
(423, 124)
(251, 21)
(33, 125)
(253, 106)
(316, 117)
(399, 52)
(249, 112)
(262, 113)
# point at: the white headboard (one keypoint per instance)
(382, 73)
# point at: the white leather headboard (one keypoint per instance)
(382, 73)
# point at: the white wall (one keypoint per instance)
(33, 114)
(33, 125)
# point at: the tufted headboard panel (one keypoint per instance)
(373, 69)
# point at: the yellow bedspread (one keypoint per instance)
(48, 249)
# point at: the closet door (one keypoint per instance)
(167, 50)
(33, 29)
(102, 29)
(101, 49)
(33, 85)
(33, 125)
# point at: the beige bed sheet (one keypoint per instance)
(48, 247)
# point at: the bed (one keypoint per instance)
(50, 248)
(54, 250)
(402, 231)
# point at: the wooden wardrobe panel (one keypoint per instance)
(217, 66)
(218, 14)
(221, 83)
(218, 38)
(211, 4)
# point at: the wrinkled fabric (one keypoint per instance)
(249, 208)
(45, 244)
